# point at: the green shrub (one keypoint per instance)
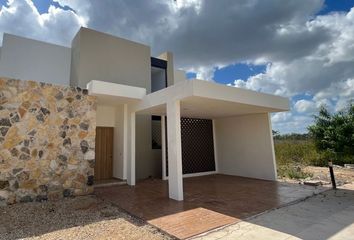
(303, 152)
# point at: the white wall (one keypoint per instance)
(148, 160)
(100, 56)
(179, 76)
(118, 150)
(244, 146)
(28, 59)
(105, 116)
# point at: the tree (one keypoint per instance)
(334, 132)
(275, 133)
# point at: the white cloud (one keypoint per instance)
(281, 117)
(305, 106)
(292, 123)
(22, 18)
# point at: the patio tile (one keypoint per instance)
(209, 201)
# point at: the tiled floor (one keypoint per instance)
(209, 201)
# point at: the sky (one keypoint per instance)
(299, 49)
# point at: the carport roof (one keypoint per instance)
(210, 100)
(200, 99)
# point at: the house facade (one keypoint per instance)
(148, 119)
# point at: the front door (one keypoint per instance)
(104, 153)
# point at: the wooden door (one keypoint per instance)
(104, 153)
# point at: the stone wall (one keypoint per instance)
(47, 140)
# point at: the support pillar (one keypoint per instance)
(175, 178)
(131, 168)
(163, 146)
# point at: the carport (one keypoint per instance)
(241, 127)
(243, 143)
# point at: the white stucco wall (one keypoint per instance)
(100, 56)
(179, 76)
(28, 59)
(148, 160)
(118, 150)
(244, 146)
(105, 116)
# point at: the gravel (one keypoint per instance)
(85, 217)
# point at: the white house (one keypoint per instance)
(151, 121)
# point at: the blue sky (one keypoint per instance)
(299, 49)
(43, 5)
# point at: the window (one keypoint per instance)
(156, 132)
(158, 79)
(158, 74)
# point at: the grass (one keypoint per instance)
(296, 152)
(293, 155)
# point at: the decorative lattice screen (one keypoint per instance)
(156, 134)
(197, 145)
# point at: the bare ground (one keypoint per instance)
(76, 218)
(342, 175)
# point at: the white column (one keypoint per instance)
(131, 170)
(175, 179)
(215, 148)
(163, 146)
(269, 118)
(125, 141)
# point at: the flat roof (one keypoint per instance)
(198, 98)
(210, 100)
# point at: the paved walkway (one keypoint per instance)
(329, 215)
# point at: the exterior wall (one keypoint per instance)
(47, 140)
(179, 76)
(75, 61)
(24, 58)
(105, 116)
(118, 151)
(99, 56)
(148, 160)
(244, 146)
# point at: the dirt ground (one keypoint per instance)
(342, 175)
(74, 218)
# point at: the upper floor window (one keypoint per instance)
(158, 74)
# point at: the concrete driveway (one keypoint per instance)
(329, 215)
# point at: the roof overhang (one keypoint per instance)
(209, 100)
(114, 94)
